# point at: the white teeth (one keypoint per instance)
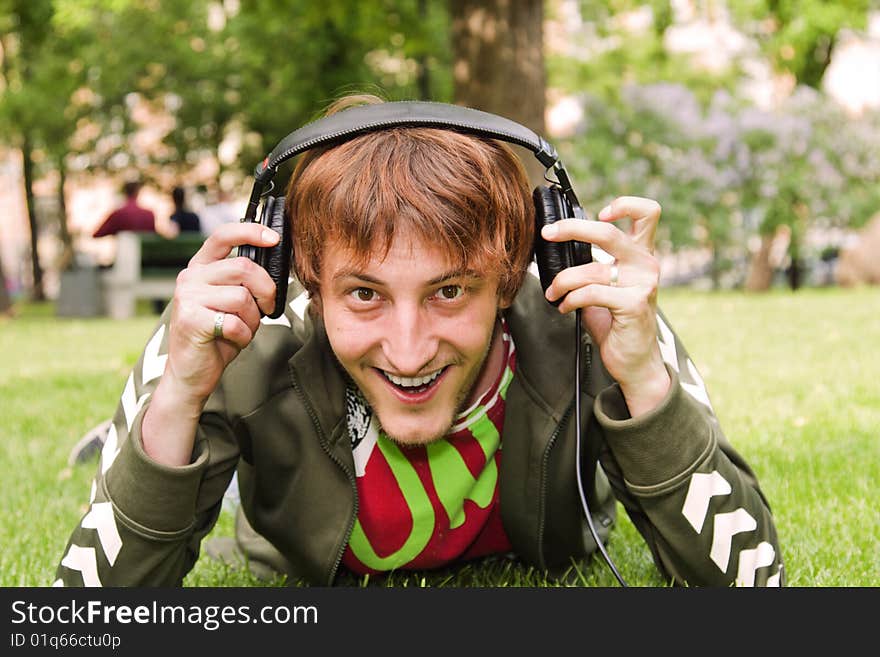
(412, 382)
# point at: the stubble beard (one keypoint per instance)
(460, 403)
(458, 406)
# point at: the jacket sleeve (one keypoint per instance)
(688, 492)
(145, 521)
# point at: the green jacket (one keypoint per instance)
(279, 417)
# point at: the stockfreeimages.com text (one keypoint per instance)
(211, 617)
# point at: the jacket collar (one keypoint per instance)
(315, 372)
(545, 343)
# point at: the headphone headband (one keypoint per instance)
(348, 123)
(366, 118)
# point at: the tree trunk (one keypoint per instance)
(499, 62)
(67, 253)
(794, 274)
(715, 270)
(37, 291)
(760, 272)
(5, 301)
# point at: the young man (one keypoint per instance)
(414, 405)
(129, 216)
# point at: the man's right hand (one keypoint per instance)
(213, 290)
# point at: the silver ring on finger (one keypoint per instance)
(615, 274)
(218, 325)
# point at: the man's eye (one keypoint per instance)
(449, 292)
(364, 294)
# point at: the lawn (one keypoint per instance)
(793, 378)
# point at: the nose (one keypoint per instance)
(410, 342)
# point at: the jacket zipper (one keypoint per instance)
(544, 467)
(546, 457)
(326, 447)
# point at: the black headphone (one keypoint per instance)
(553, 202)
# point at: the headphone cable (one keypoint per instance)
(577, 465)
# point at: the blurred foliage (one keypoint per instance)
(36, 76)
(799, 37)
(796, 36)
(656, 124)
(90, 77)
(285, 61)
(606, 53)
(731, 170)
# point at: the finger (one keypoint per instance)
(221, 242)
(608, 237)
(234, 272)
(615, 299)
(575, 277)
(235, 300)
(232, 328)
(245, 272)
(645, 215)
(198, 321)
(232, 299)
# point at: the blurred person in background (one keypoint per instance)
(129, 216)
(185, 219)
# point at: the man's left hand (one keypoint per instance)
(619, 299)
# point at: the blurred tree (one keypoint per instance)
(23, 39)
(726, 171)
(642, 108)
(286, 61)
(620, 42)
(5, 301)
(46, 110)
(814, 167)
(136, 55)
(799, 37)
(499, 61)
(55, 85)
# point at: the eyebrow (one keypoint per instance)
(455, 273)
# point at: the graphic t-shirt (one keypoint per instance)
(429, 505)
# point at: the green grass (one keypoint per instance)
(793, 379)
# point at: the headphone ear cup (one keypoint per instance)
(550, 256)
(551, 205)
(276, 259)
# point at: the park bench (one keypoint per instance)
(145, 267)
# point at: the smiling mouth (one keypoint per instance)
(413, 385)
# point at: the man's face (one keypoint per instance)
(413, 334)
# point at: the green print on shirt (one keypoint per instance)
(419, 506)
(458, 484)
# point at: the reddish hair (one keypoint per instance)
(467, 195)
